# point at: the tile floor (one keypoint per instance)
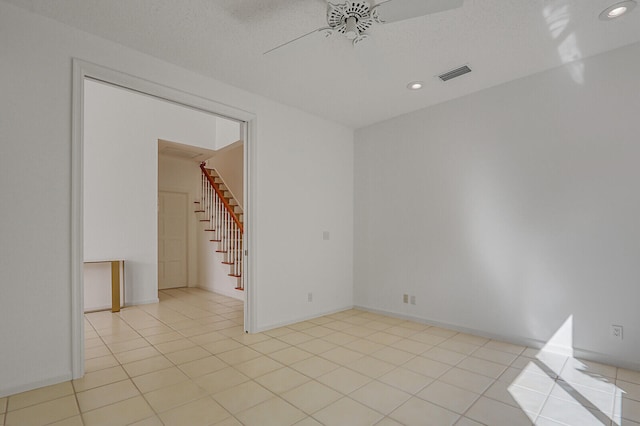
(186, 361)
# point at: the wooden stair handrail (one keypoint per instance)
(221, 196)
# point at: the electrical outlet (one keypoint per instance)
(405, 298)
(616, 332)
(413, 300)
(310, 297)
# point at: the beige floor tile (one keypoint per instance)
(204, 411)
(584, 395)
(128, 345)
(318, 331)
(174, 346)
(316, 346)
(394, 356)
(106, 395)
(100, 378)
(3, 405)
(470, 338)
(481, 366)
(448, 396)
(465, 421)
(280, 331)
(427, 367)
(149, 421)
(100, 363)
(1, 419)
(308, 421)
(311, 396)
(121, 413)
(387, 421)
(282, 380)
(384, 338)
(295, 338)
(269, 346)
(380, 397)
(210, 337)
(169, 397)
(159, 379)
(462, 347)
(258, 366)
(569, 413)
(627, 409)
(536, 382)
(230, 421)
(444, 355)
(136, 355)
(187, 355)
(428, 338)
(417, 412)
(371, 367)
(43, 413)
(273, 412)
(342, 356)
(71, 421)
(36, 396)
(96, 352)
(406, 380)
(339, 338)
(347, 412)
(314, 366)
(252, 394)
(290, 355)
(489, 411)
(164, 337)
(344, 380)
(493, 355)
(505, 347)
(224, 345)
(467, 380)
(149, 365)
(630, 390)
(412, 346)
(516, 396)
(365, 347)
(203, 366)
(630, 376)
(238, 356)
(221, 380)
(591, 368)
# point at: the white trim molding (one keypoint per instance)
(85, 70)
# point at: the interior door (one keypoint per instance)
(172, 239)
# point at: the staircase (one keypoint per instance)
(223, 218)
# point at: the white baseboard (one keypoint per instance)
(516, 340)
(233, 293)
(34, 385)
(142, 302)
(271, 326)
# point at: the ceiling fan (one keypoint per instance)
(354, 17)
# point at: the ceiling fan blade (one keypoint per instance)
(326, 29)
(399, 10)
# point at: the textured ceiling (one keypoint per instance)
(501, 40)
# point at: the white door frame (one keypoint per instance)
(83, 70)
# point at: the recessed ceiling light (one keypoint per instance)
(415, 85)
(616, 10)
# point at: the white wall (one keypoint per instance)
(121, 132)
(227, 132)
(294, 152)
(509, 210)
(230, 166)
(180, 175)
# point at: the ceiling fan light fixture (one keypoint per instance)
(617, 10)
(415, 85)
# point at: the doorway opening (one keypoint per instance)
(132, 169)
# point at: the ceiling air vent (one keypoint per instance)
(454, 73)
